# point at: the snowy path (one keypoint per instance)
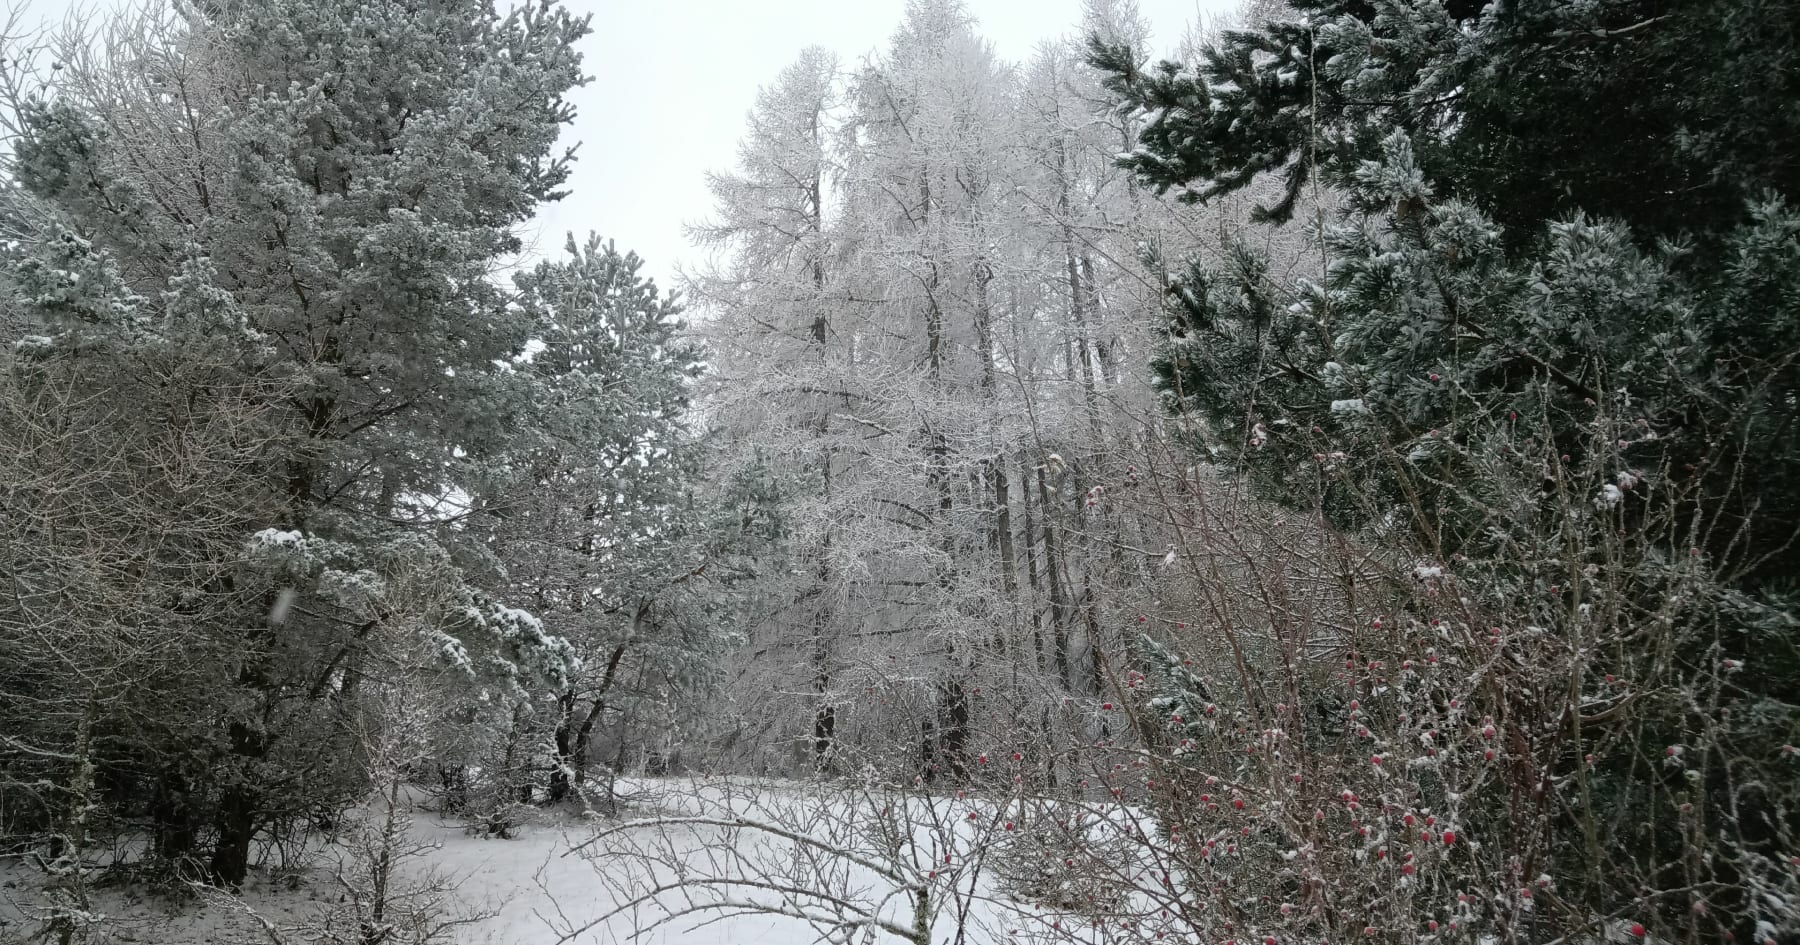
(533, 888)
(529, 889)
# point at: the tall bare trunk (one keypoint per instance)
(1061, 613)
(824, 712)
(1078, 294)
(1001, 528)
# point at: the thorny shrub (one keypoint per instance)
(1541, 737)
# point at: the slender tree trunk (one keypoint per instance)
(573, 738)
(1031, 571)
(953, 728)
(824, 712)
(1105, 356)
(824, 729)
(564, 739)
(70, 898)
(1060, 615)
(1001, 530)
(1009, 577)
(953, 707)
(1078, 295)
(376, 931)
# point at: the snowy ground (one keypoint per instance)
(491, 875)
(532, 889)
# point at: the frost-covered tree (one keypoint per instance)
(599, 524)
(924, 183)
(857, 326)
(777, 336)
(924, 310)
(317, 195)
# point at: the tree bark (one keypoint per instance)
(172, 819)
(1060, 610)
(235, 821)
(573, 740)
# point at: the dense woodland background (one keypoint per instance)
(1365, 450)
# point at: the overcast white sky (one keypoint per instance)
(673, 80)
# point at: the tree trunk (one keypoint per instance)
(576, 759)
(174, 831)
(68, 890)
(953, 730)
(996, 467)
(824, 728)
(928, 750)
(560, 781)
(236, 826)
(1078, 296)
(1104, 351)
(235, 820)
(824, 713)
(1059, 602)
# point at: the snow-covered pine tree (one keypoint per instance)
(598, 522)
(318, 192)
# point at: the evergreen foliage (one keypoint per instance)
(254, 319)
(1557, 327)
